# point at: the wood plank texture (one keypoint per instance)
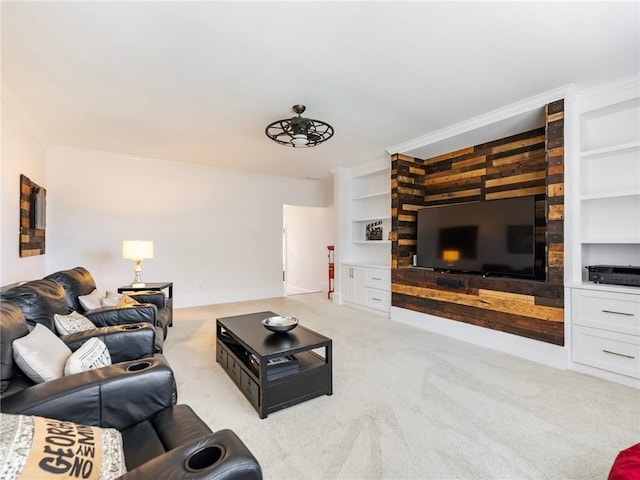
(31, 240)
(530, 163)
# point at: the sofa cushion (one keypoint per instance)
(92, 354)
(12, 326)
(41, 354)
(75, 282)
(32, 446)
(39, 301)
(91, 301)
(72, 323)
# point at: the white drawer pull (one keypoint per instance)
(376, 299)
(618, 313)
(375, 278)
(618, 354)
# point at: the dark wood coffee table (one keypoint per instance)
(247, 350)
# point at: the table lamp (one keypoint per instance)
(137, 250)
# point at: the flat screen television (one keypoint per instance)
(494, 237)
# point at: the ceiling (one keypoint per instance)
(199, 81)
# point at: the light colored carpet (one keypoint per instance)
(409, 404)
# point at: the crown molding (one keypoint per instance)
(616, 91)
(495, 116)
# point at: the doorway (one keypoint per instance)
(306, 232)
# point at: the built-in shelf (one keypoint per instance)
(611, 241)
(372, 241)
(611, 149)
(605, 287)
(373, 195)
(370, 219)
(600, 196)
(606, 221)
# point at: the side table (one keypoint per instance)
(154, 287)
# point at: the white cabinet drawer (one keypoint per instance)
(378, 278)
(378, 299)
(615, 352)
(619, 312)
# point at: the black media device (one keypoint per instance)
(615, 274)
(495, 237)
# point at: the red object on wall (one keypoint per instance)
(331, 248)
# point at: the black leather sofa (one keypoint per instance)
(136, 397)
(58, 293)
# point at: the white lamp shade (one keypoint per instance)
(137, 249)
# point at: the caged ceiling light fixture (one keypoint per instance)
(299, 131)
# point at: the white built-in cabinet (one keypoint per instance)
(363, 197)
(353, 284)
(605, 319)
(366, 287)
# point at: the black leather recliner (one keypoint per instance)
(78, 281)
(160, 439)
(130, 349)
(41, 299)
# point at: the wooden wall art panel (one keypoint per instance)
(32, 218)
(530, 163)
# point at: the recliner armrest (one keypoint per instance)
(125, 342)
(219, 455)
(149, 296)
(116, 396)
(107, 316)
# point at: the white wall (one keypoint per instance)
(309, 230)
(217, 233)
(22, 153)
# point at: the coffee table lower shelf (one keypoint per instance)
(312, 379)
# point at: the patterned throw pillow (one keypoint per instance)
(72, 323)
(92, 354)
(30, 447)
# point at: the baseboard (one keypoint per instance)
(605, 375)
(536, 351)
(225, 296)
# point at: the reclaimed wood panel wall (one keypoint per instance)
(32, 240)
(530, 163)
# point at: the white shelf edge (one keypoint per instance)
(370, 219)
(602, 196)
(611, 241)
(612, 149)
(372, 195)
(372, 241)
(604, 287)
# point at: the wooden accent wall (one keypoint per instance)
(32, 240)
(530, 163)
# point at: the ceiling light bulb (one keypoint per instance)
(299, 139)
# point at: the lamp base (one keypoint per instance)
(138, 284)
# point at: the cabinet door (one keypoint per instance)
(353, 284)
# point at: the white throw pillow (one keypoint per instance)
(40, 354)
(112, 299)
(92, 354)
(72, 323)
(91, 301)
(30, 450)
